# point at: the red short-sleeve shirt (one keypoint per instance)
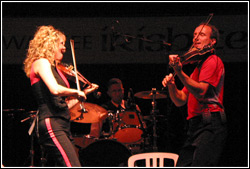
(212, 72)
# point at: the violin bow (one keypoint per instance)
(206, 22)
(77, 80)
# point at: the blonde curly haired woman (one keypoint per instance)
(51, 88)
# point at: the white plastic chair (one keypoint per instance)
(154, 156)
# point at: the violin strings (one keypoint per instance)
(84, 79)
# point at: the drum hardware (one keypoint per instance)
(118, 119)
(31, 115)
(113, 118)
(153, 95)
(43, 159)
(143, 135)
(33, 119)
(107, 131)
(140, 121)
(154, 111)
(115, 121)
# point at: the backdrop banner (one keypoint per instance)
(143, 40)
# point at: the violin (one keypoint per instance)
(195, 55)
(71, 74)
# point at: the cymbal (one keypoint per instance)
(94, 113)
(149, 95)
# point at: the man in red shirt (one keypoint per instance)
(203, 92)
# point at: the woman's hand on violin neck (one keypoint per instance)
(95, 86)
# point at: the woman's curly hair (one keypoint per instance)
(43, 45)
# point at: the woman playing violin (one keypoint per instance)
(51, 88)
(203, 93)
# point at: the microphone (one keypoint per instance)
(113, 34)
(113, 27)
(130, 100)
(166, 43)
(126, 39)
(122, 32)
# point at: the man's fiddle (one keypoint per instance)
(194, 55)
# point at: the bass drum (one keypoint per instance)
(104, 153)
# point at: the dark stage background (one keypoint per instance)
(17, 99)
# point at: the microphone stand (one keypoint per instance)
(153, 112)
(162, 42)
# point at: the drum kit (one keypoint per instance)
(127, 134)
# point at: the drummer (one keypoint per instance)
(115, 104)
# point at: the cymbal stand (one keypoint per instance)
(32, 118)
(140, 121)
(153, 113)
